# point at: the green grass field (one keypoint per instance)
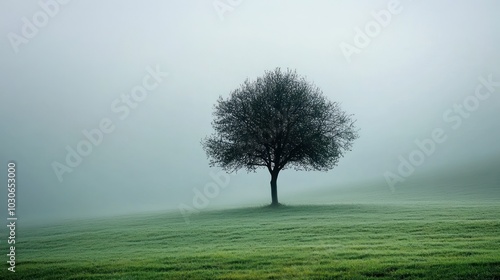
(435, 226)
(345, 241)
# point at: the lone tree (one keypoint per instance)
(278, 121)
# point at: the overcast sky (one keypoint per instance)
(69, 67)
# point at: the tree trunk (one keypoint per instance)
(274, 189)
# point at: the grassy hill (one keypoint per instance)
(439, 225)
(346, 241)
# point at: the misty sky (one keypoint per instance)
(72, 72)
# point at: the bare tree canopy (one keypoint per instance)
(278, 121)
